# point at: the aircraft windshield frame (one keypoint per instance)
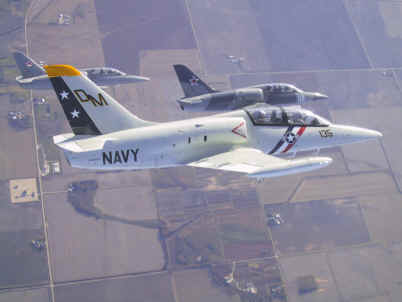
(285, 116)
(105, 71)
(113, 71)
(282, 88)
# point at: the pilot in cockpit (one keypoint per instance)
(276, 117)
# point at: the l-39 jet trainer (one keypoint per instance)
(200, 97)
(33, 76)
(106, 136)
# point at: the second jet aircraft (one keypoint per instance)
(200, 97)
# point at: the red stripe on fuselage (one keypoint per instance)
(301, 130)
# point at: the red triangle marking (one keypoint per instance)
(237, 128)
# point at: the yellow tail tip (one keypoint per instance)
(61, 71)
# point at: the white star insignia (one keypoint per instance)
(64, 95)
(290, 138)
(75, 113)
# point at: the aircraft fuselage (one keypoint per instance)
(182, 142)
(43, 82)
(272, 94)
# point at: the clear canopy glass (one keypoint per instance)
(104, 71)
(282, 87)
(285, 116)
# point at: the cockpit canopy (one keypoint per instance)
(103, 71)
(281, 88)
(285, 116)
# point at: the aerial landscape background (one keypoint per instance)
(180, 234)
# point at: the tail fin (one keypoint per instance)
(89, 110)
(28, 67)
(190, 83)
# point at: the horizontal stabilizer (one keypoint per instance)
(81, 143)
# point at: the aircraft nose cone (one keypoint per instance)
(350, 134)
(363, 133)
(372, 133)
(138, 78)
(314, 96)
(319, 96)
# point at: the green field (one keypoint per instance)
(235, 233)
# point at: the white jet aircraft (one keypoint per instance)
(33, 76)
(106, 136)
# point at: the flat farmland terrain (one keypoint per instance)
(131, 26)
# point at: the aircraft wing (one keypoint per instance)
(257, 164)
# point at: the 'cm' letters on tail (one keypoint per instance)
(85, 97)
